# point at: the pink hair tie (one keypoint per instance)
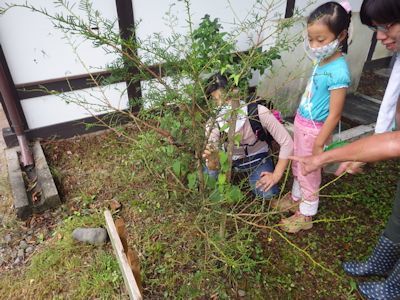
(346, 5)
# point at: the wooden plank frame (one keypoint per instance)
(290, 4)
(129, 279)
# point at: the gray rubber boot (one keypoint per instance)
(388, 289)
(381, 261)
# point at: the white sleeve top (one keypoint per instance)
(270, 123)
(387, 110)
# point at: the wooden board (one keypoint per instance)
(129, 279)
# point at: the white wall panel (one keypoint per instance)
(307, 6)
(52, 109)
(152, 17)
(36, 51)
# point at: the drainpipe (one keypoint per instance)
(10, 97)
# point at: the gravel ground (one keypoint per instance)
(19, 242)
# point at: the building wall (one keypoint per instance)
(37, 53)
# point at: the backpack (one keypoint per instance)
(254, 119)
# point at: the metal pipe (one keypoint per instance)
(10, 98)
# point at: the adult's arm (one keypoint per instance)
(387, 113)
(387, 109)
(373, 148)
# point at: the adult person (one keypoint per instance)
(251, 155)
(389, 111)
(383, 16)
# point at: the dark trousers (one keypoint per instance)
(392, 230)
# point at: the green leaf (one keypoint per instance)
(237, 138)
(215, 196)
(225, 127)
(198, 117)
(353, 285)
(192, 180)
(235, 194)
(177, 167)
(236, 78)
(221, 179)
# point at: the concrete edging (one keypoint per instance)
(21, 203)
(49, 194)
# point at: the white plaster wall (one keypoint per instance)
(40, 52)
(36, 51)
(153, 16)
(308, 6)
(52, 109)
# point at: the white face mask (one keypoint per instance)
(321, 53)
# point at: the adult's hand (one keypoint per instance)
(317, 150)
(308, 164)
(351, 167)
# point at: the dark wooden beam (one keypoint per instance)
(60, 85)
(372, 47)
(126, 22)
(67, 129)
(290, 4)
(377, 63)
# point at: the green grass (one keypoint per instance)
(65, 269)
(177, 232)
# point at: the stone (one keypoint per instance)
(29, 249)
(241, 293)
(7, 238)
(94, 236)
(23, 245)
(17, 261)
(21, 253)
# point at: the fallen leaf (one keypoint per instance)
(114, 205)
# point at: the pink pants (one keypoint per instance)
(305, 187)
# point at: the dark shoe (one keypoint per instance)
(388, 289)
(381, 262)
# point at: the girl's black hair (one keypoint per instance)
(380, 11)
(335, 17)
(215, 82)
